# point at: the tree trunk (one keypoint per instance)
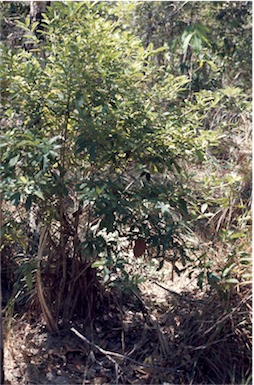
(36, 9)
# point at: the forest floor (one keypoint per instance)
(166, 334)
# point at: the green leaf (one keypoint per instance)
(45, 162)
(108, 222)
(3, 144)
(14, 160)
(178, 168)
(29, 279)
(200, 155)
(80, 102)
(81, 143)
(76, 7)
(34, 25)
(212, 65)
(15, 199)
(54, 139)
(28, 202)
(183, 206)
(186, 41)
(227, 270)
(196, 43)
(232, 280)
(237, 235)
(27, 21)
(39, 194)
(245, 260)
(25, 143)
(23, 179)
(92, 152)
(154, 51)
(204, 207)
(97, 264)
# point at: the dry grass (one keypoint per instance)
(180, 338)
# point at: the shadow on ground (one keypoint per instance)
(187, 339)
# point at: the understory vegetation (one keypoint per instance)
(125, 151)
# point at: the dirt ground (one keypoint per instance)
(155, 337)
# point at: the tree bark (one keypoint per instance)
(36, 9)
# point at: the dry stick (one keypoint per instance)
(109, 354)
(51, 323)
(105, 352)
(165, 288)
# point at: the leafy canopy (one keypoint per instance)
(91, 121)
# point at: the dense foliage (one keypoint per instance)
(125, 135)
(99, 135)
(87, 148)
(125, 147)
(206, 40)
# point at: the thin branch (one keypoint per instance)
(50, 321)
(110, 354)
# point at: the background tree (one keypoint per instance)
(207, 40)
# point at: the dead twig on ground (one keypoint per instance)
(110, 354)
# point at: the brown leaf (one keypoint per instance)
(139, 247)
